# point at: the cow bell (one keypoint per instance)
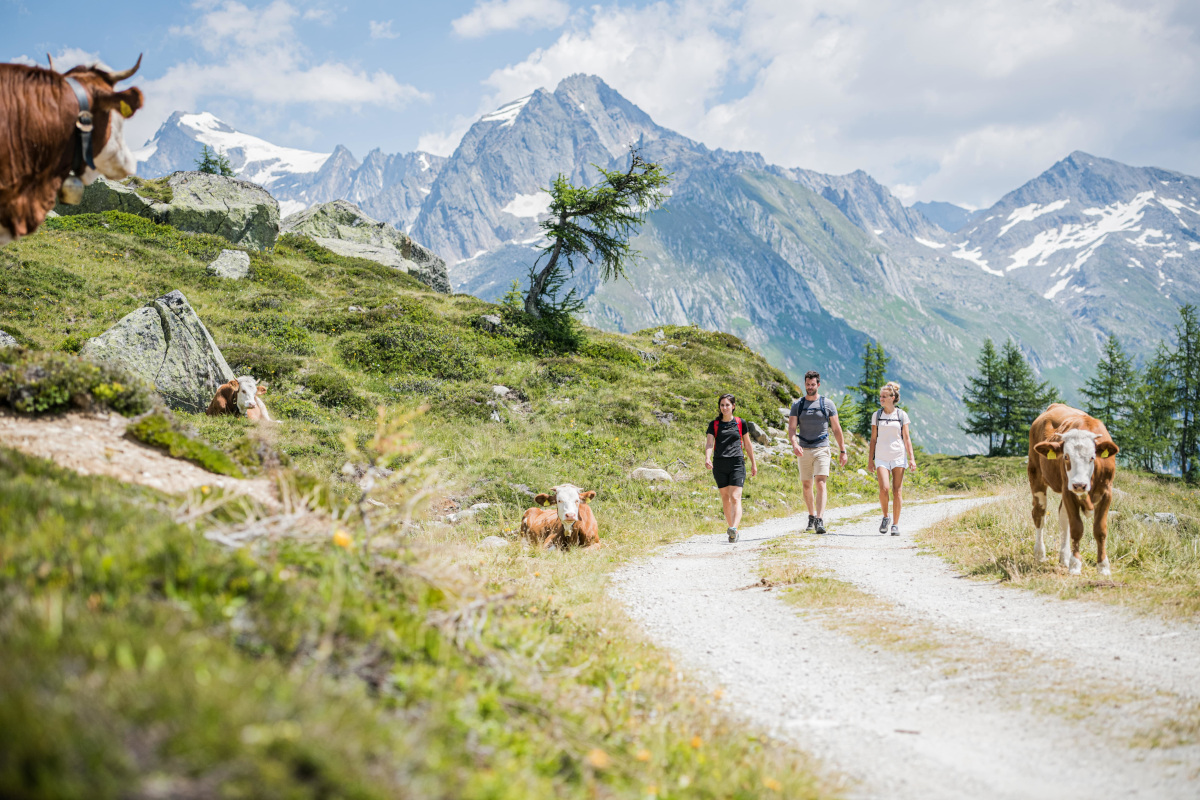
(71, 191)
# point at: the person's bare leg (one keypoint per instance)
(897, 487)
(882, 477)
(735, 496)
(727, 505)
(821, 496)
(808, 498)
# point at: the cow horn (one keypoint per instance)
(114, 78)
(50, 58)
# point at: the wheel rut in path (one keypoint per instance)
(1006, 694)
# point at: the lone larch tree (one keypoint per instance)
(593, 223)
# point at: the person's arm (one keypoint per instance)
(871, 446)
(710, 444)
(749, 448)
(796, 448)
(912, 460)
(836, 424)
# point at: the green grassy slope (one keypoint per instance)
(143, 658)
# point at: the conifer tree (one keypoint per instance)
(982, 397)
(1150, 432)
(214, 162)
(1110, 393)
(1185, 380)
(1022, 398)
(874, 371)
(593, 224)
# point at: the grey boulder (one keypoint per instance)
(342, 227)
(240, 211)
(6, 340)
(167, 344)
(757, 434)
(232, 264)
(650, 474)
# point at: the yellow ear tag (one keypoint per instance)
(126, 111)
(1050, 456)
(1104, 454)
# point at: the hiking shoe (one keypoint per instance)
(883, 524)
(895, 530)
(733, 534)
(819, 527)
(812, 522)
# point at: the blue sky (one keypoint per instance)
(959, 100)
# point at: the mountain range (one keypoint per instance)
(805, 267)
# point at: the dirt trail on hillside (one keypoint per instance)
(95, 444)
(991, 691)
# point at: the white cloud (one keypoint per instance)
(946, 101)
(383, 30)
(26, 60)
(505, 15)
(255, 56)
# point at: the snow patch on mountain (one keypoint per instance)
(1029, 213)
(975, 257)
(926, 242)
(531, 206)
(507, 113)
(1071, 236)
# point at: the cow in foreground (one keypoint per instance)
(570, 523)
(1072, 454)
(50, 127)
(240, 397)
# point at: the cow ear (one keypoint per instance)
(233, 384)
(585, 496)
(124, 103)
(543, 499)
(261, 389)
(1106, 448)
(1050, 450)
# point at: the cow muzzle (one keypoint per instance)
(1080, 489)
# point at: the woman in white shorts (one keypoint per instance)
(891, 452)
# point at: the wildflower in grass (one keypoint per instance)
(598, 758)
(343, 539)
(696, 742)
(772, 784)
(642, 755)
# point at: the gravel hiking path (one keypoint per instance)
(95, 444)
(991, 691)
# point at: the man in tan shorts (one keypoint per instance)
(809, 423)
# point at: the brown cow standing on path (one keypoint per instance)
(1072, 454)
(41, 140)
(570, 524)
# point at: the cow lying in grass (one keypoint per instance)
(570, 524)
(1072, 454)
(240, 397)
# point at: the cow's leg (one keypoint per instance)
(1100, 531)
(1037, 488)
(1064, 533)
(1039, 521)
(1075, 524)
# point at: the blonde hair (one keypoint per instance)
(895, 389)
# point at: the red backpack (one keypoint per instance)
(741, 432)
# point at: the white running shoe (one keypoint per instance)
(883, 524)
(895, 530)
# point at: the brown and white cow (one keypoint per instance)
(570, 524)
(240, 397)
(40, 143)
(1072, 454)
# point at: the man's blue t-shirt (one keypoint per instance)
(812, 420)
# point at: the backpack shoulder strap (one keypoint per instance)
(739, 424)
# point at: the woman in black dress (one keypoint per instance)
(728, 438)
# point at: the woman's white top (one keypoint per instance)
(889, 439)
